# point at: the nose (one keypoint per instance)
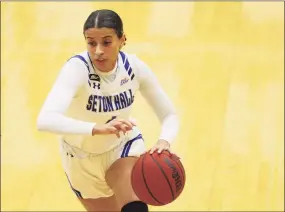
(98, 50)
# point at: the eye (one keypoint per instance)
(106, 43)
(92, 43)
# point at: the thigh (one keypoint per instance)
(120, 166)
(86, 176)
(100, 204)
(118, 177)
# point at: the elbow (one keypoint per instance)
(171, 117)
(42, 122)
(174, 119)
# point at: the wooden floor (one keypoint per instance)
(221, 64)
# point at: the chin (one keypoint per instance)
(102, 68)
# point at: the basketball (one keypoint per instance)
(158, 179)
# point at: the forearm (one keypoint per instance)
(60, 124)
(169, 128)
(165, 112)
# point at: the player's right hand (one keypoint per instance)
(113, 127)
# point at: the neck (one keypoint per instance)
(114, 66)
(109, 71)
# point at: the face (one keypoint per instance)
(103, 46)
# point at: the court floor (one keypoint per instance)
(221, 64)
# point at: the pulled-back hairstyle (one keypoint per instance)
(104, 18)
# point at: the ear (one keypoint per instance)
(123, 41)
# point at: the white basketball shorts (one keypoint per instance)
(86, 172)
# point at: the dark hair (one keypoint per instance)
(104, 18)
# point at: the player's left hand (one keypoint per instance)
(160, 146)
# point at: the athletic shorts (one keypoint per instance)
(86, 172)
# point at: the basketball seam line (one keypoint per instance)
(164, 176)
(146, 183)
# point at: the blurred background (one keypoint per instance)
(222, 65)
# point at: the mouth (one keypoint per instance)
(100, 60)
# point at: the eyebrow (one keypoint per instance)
(102, 37)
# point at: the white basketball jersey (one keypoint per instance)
(100, 101)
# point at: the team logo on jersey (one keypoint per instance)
(124, 81)
(94, 77)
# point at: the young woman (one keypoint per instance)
(89, 105)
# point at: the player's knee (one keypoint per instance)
(118, 177)
(137, 206)
(119, 174)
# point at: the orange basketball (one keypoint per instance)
(158, 179)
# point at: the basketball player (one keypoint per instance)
(89, 105)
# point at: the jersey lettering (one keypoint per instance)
(105, 104)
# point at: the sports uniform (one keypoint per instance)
(82, 97)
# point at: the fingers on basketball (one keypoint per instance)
(159, 150)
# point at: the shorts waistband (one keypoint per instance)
(80, 153)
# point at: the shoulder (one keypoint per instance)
(129, 57)
(79, 60)
(74, 68)
(139, 66)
